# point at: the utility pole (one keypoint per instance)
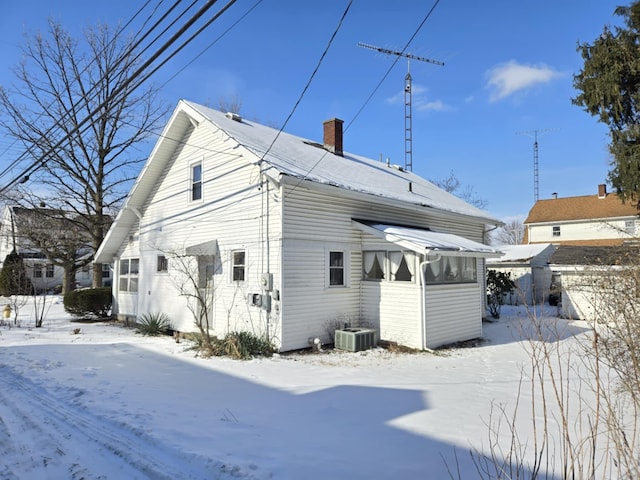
(408, 121)
(534, 134)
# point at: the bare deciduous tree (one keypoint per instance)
(233, 104)
(511, 233)
(584, 396)
(60, 83)
(467, 193)
(58, 235)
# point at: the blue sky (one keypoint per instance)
(508, 72)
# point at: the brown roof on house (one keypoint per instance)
(578, 255)
(579, 208)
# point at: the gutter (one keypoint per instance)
(423, 302)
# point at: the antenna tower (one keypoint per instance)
(408, 120)
(534, 134)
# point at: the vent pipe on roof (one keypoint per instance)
(333, 136)
(602, 190)
(233, 116)
(554, 195)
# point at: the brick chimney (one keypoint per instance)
(602, 191)
(333, 135)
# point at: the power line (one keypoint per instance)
(127, 85)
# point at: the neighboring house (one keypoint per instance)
(595, 220)
(577, 271)
(19, 226)
(528, 266)
(293, 238)
(585, 229)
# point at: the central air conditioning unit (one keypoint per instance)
(355, 339)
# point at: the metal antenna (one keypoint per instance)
(408, 121)
(534, 134)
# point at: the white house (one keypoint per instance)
(589, 220)
(294, 237)
(529, 268)
(582, 274)
(19, 226)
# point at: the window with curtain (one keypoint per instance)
(402, 266)
(373, 265)
(452, 270)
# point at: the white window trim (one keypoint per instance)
(190, 176)
(347, 268)
(128, 275)
(166, 259)
(232, 263)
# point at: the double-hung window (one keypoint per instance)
(196, 182)
(129, 268)
(337, 275)
(238, 267)
(162, 264)
(49, 270)
(556, 230)
(37, 270)
(106, 270)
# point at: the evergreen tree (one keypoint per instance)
(13, 276)
(609, 86)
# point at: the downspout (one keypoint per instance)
(423, 294)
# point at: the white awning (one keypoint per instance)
(427, 241)
(206, 248)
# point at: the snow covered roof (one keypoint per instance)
(521, 253)
(424, 240)
(288, 155)
(302, 158)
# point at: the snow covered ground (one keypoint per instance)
(107, 403)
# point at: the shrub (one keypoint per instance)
(243, 346)
(498, 285)
(153, 324)
(13, 277)
(88, 302)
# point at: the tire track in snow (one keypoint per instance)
(42, 434)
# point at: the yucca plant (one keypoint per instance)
(154, 323)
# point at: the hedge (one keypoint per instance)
(88, 302)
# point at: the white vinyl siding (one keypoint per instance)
(229, 216)
(453, 313)
(318, 219)
(580, 230)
